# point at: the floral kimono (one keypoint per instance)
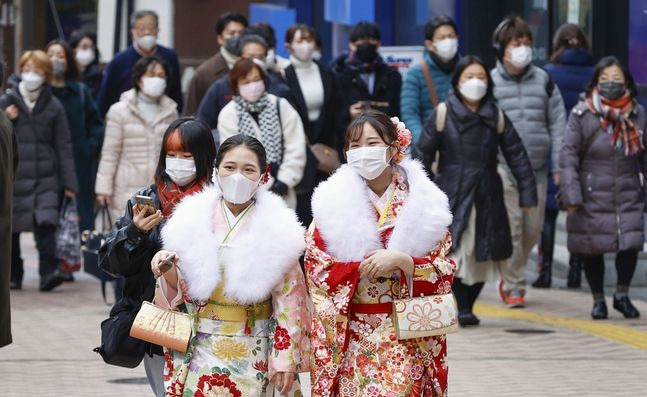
(355, 348)
(240, 280)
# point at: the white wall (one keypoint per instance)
(106, 22)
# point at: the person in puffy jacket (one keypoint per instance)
(601, 162)
(529, 97)
(570, 67)
(441, 55)
(184, 167)
(473, 133)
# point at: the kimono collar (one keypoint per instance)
(255, 261)
(345, 217)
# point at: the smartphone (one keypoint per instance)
(167, 264)
(146, 203)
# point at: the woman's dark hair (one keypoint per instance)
(364, 30)
(608, 62)
(241, 68)
(72, 71)
(462, 64)
(380, 121)
(248, 142)
(195, 137)
(141, 67)
(306, 31)
(75, 40)
(436, 22)
(266, 31)
(569, 35)
(226, 18)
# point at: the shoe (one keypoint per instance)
(15, 285)
(468, 319)
(624, 306)
(599, 311)
(544, 278)
(68, 277)
(52, 280)
(514, 299)
(574, 279)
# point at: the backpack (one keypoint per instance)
(441, 118)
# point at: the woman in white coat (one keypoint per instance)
(134, 130)
(271, 120)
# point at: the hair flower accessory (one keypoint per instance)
(404, 138)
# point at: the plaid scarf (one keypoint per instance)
(355, 64)
(614, 120)
(170, 194)
(268, 122)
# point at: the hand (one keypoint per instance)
(69, 193)
(145, 222)
(356, 109)
(383, 263)
(104, 200)
(572, 208)
(12, 112)
(159, 259)
(556, 178)
(283, 381)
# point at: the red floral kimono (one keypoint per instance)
(355, 349)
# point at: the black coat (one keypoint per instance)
(8, 164)
(467, 172)
(128, 252)
(91, 77)
(46, 160)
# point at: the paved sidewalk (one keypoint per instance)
(551, 348)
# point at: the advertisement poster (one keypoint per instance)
(402, 57)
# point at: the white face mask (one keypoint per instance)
(446, 48)
(237, 188)
(316, 55)
(521, 56)
(303, 51)
(369, 162)
(146, 43)
(473, 89)
(181, 171)
(84, 57)
(154, 87)
(32, 80)
(252, 92)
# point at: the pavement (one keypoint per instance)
(550, 348)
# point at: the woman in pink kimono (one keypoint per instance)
(236, 271)
(376, 220)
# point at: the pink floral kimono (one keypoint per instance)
(246, 293)
(355, 349)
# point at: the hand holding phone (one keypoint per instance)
(146, 204)
(167, 264)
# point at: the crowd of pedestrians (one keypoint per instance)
(464, 169)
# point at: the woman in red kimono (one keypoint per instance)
(377, 219)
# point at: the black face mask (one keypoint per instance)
(231, 44)
(366, 52)
(611, 89)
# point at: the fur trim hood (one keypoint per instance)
(346, 220)
(255, 260)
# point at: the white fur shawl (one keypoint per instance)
(256, 259)
(346, 220)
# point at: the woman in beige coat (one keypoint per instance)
(134, 130)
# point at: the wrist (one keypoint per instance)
(407, 264)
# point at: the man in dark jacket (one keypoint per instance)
(365, 81)
(117, 76)
(229, 27)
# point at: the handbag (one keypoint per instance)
(423, 316)
(169, 328)
(92, 240)
(68, 246)
(117, 346)
(327, 157)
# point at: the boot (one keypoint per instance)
(574, 272)
(624, 306)
(52, 280)
(544, 279)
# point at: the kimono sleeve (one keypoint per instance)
(434, 273)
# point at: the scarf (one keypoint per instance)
(268, 123)
(355, 64)
(170, 194)
(29, 97)
(615, 121)
(445, 66)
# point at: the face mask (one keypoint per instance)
(84, 57)
(270, 59)
(146, 43)
(231, 44)
(252, 92)
(32, 81)
(58, 67)
(521, 56)
(366, 52)
(446, 48)
(181, 171)
(369, 162)
(611, 89)
(473, 89)
(303, 51)
(316, 55)
(236, 188)
(154, 87)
